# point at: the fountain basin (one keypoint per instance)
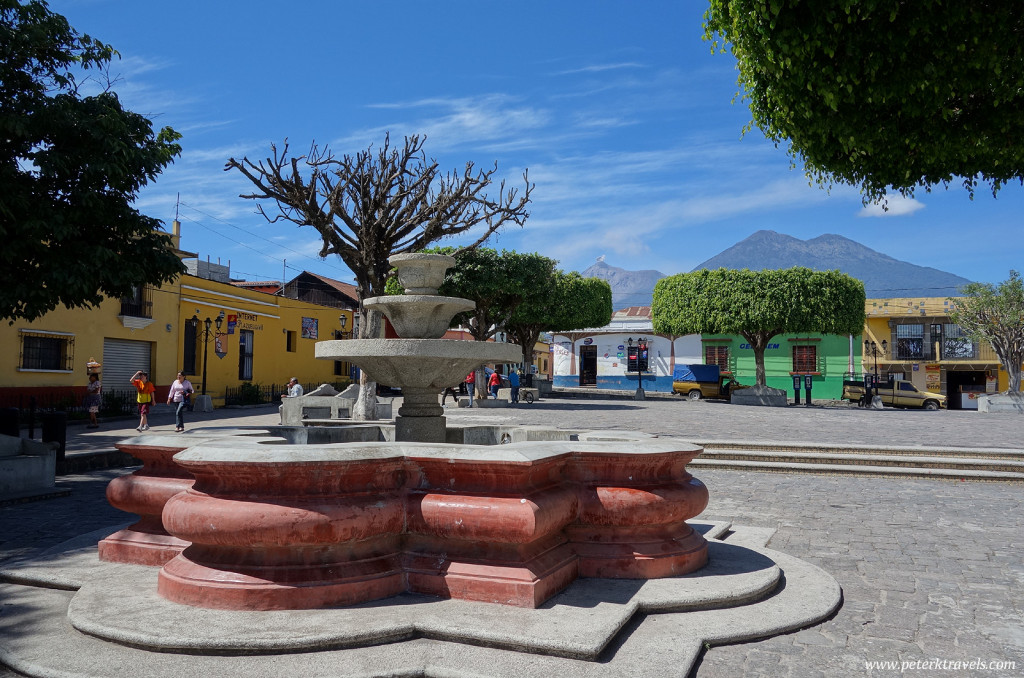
(279, 526)
(420, 363)
(418, 315)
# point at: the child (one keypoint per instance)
(144, 397)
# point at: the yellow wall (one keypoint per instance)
(270, 317)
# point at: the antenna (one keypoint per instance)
(177, 201)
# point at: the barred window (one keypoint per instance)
(805, 359)
(909, 341)
(42, 350)
(956, 343)
(717, 355)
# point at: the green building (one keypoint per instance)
(826, 357)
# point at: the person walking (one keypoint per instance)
(513, 383)
(144, 397)
(494, 383)
(471, 386)
(93, 400)
(449, 391)
(180, 393)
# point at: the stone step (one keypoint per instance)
(847, 469)
(865, 459)
(852, 449)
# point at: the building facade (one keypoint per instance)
(201, 324)
(826, 358)
(915, 339)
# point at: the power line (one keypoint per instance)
(253, 235)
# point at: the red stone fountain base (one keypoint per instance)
(145, 492)
(291, 527)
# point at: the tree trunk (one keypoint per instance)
(365, 406)
(759, 342)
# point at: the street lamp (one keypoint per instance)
(639, 356)
(873, 348)
(206, 339)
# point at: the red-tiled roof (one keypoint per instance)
(344, 288)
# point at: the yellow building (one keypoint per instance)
(253, 337)
(915, 339)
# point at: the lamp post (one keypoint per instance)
(206, 339)
(873, 347)
(639, 356)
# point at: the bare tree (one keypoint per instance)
(378, 203)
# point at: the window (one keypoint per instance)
(188, 347)
(717, 355)
(909, 341)
(52, 351)
(245, 355)
(805, 359)
(289, 342)
(956, 344)
(138, 304)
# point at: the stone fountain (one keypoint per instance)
(420, 362)
(416, 548)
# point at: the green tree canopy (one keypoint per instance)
(758, 305)
(497, 282)
(995, 313)
(70, 168)
(567, 302)
(879, 94)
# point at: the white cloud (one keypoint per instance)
(897, 206)
(600, 68)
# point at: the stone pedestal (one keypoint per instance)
(764, 396)
(202, 403)
(1002, 402)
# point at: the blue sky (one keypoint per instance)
(625, 119)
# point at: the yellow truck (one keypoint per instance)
(896, 393)
(703, 381)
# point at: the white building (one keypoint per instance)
(597, 356)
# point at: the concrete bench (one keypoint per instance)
(26, 466)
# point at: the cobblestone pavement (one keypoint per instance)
(931, 571)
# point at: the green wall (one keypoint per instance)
(833, 361)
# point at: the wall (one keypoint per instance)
(833, 361)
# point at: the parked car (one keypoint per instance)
(897, 393)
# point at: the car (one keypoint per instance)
(895, 393)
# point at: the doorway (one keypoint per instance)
(588, 365)
(959, 381)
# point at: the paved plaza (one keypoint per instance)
(932, 572)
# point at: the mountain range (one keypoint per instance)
(883, 276)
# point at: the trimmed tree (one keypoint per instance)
(995, 313)
(758, 305)
(70, 168)
(498, 283)
(883, 94)
(568, 302)
(374, 204)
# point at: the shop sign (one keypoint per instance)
(249, 321)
